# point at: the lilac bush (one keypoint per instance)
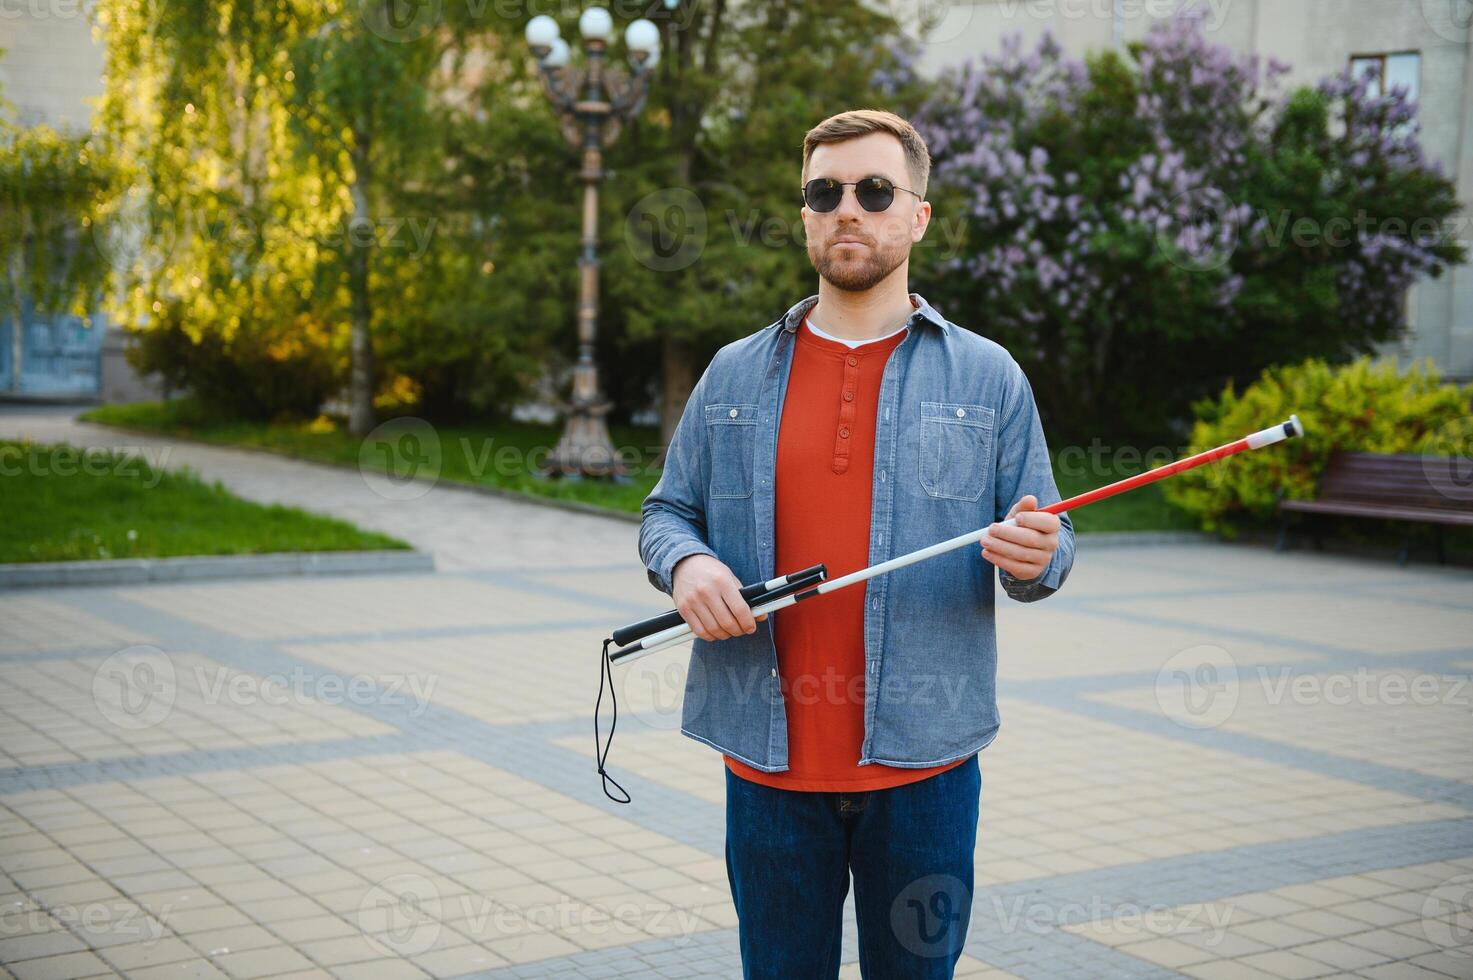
(1126, 219)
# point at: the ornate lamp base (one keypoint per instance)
(585, 448)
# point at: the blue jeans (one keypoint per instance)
(789, 855)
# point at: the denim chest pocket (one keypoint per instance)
(732, 433)
(955, 449)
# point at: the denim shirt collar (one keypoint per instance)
(924, 311)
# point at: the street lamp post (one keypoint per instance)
(592, 102)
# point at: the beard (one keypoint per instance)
(856, 270)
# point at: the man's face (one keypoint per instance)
(882, 238)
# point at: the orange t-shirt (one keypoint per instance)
(824, 482)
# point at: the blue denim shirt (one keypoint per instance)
(957, 442)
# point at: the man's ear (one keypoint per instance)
(923, 218)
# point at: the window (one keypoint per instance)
(1388, 70)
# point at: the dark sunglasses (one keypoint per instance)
(873, 193)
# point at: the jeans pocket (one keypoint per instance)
(955, 449)
(732, 432)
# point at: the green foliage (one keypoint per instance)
(287, 183)
(493, 295)
(713, 166)
(1147, 224)
(225, 226)
(274, 370)
(259, 137)
(1352, 215)
(1363, 406)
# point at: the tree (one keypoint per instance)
(1126, 215)
(359, 104)
(711, 243)
(218, 272)
(285, 171)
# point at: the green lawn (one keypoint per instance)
(505, 454)
(502, 456)
(1144, 509)
(63, 503)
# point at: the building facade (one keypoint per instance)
(50, 67)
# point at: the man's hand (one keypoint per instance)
(709, 598)
(1023, 551)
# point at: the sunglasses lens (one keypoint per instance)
(822, 194)
(875, 193)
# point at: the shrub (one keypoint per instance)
(1362, 406)
(259, 372)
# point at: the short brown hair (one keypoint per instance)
(861, 122)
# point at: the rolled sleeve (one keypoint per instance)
(1024, 467)
(662, 576)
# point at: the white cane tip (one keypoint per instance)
(1296, 426)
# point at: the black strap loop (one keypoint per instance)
(601, 753)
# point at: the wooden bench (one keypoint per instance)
(1390, 486)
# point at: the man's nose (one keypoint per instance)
(849, 209)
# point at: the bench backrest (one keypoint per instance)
(1399, 479)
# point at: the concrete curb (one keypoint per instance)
(193, 568)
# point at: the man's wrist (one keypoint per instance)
(675, 569)
(689, 551)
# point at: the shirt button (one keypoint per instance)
(733, 413)
(882, 476)
(849, 396)
(774, 672)
(853, 360)
(844, 433)
(960, 413)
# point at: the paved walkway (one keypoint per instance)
(1215, 762)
